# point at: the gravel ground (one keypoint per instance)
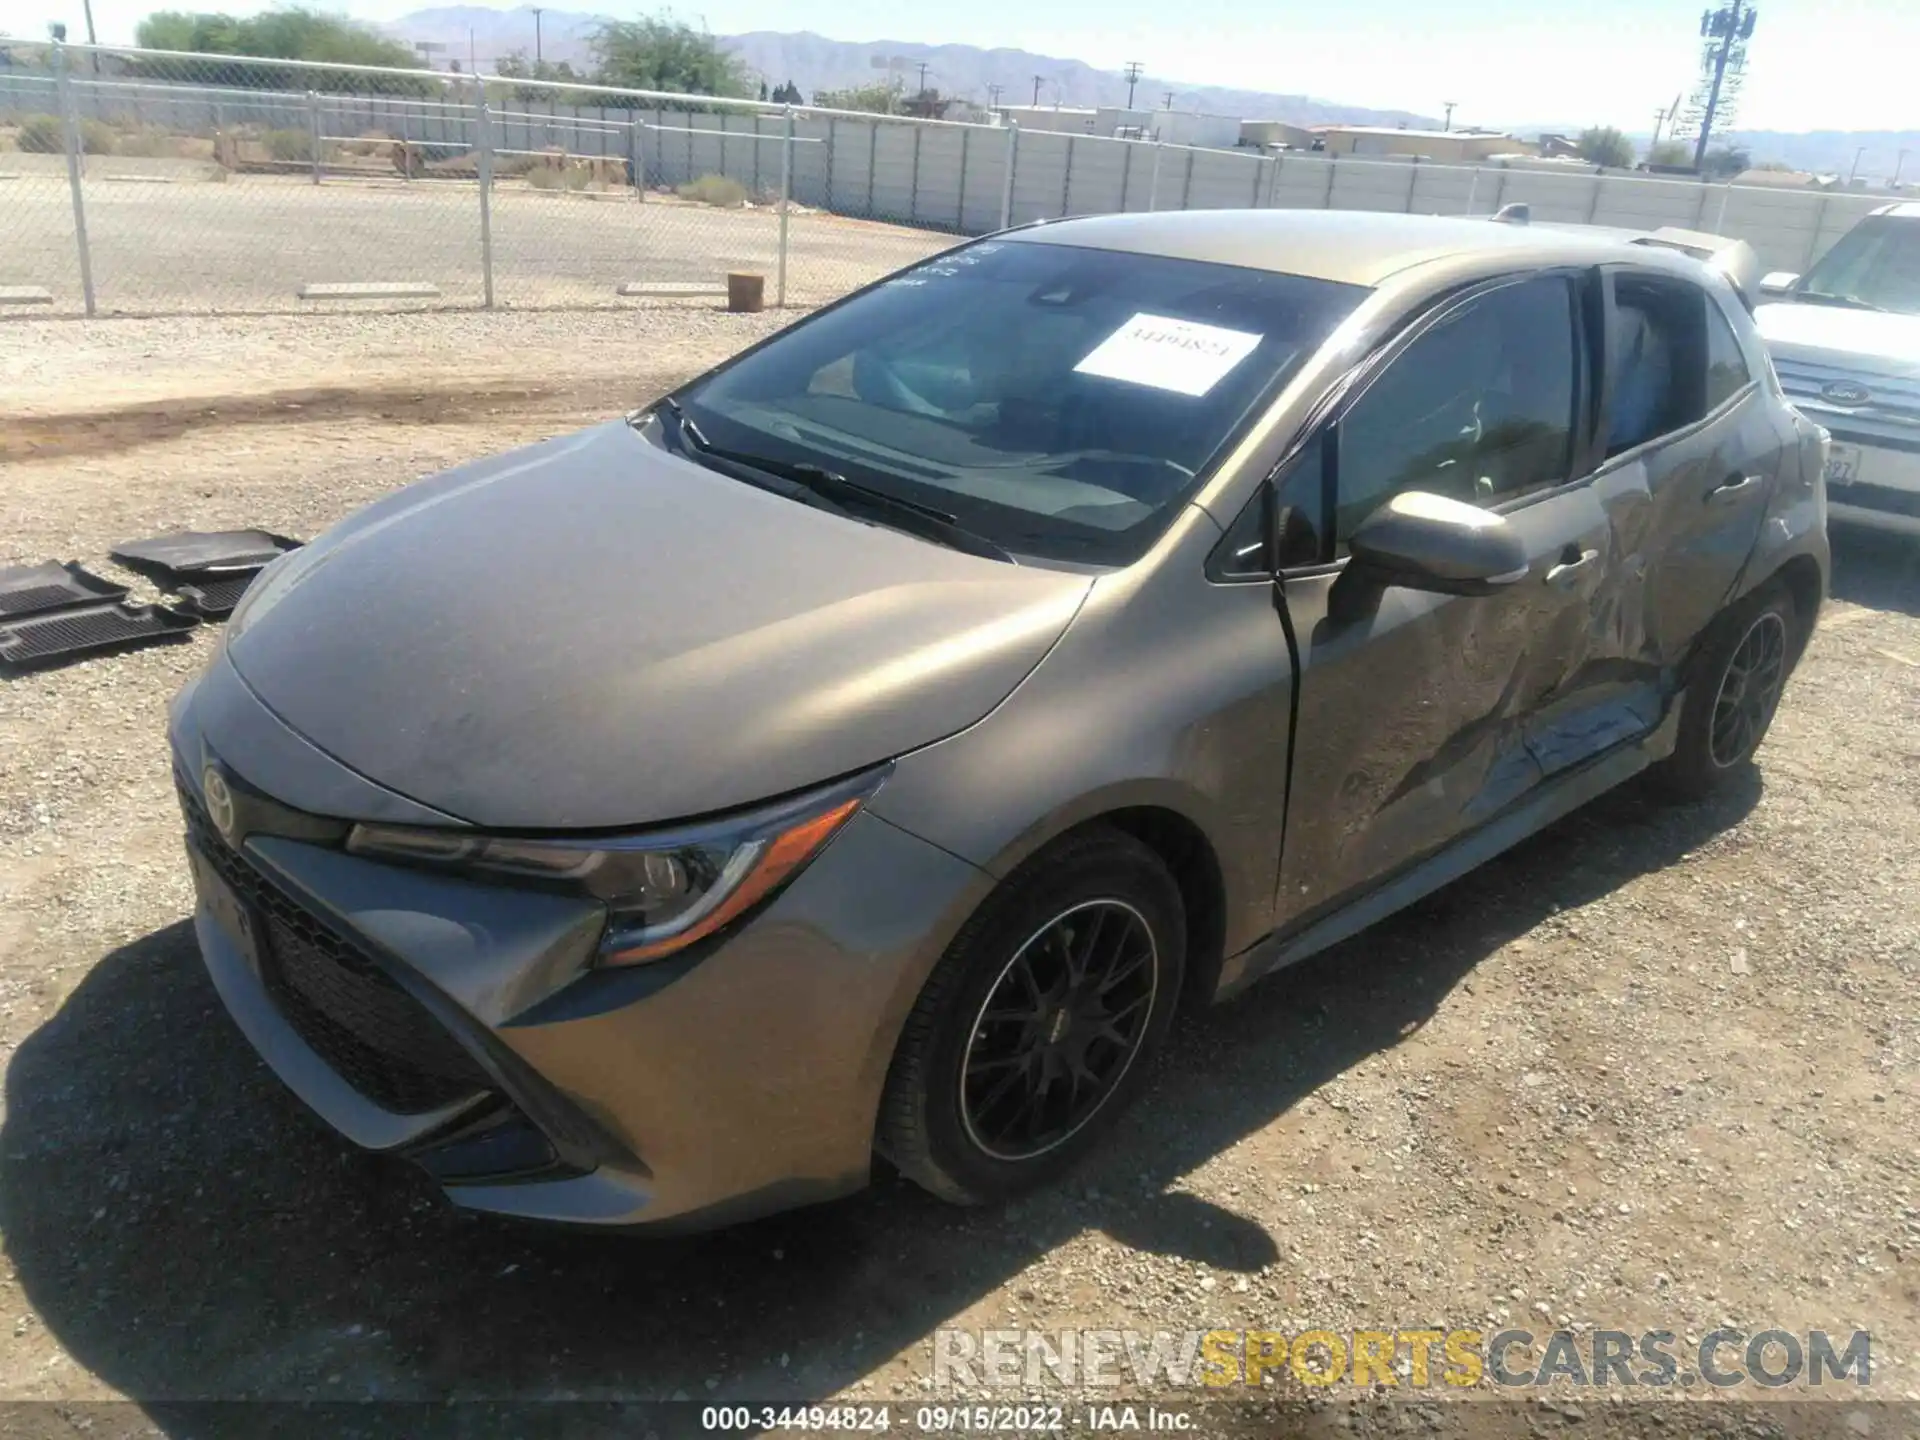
(1655, 1069)
(250, 243)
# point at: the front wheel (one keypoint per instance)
(1730, 702)
(1031, 1035)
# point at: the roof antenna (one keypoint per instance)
(1516, 213)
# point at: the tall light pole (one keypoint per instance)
(1448, 105)
(1132, 72)
(538, 11)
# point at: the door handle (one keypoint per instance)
(1732, 488)
(1568, 572)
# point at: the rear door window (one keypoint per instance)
(1673, 358)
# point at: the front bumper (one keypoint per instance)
(458, 1025)
(1885, 491)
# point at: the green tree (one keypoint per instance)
(1605, 145)
(659, 52)
(516, 66)
(1669, 152)
(1723, 162)
(788, 94)
(879, 98)
(294, 34)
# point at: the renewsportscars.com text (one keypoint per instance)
(1414, 1358)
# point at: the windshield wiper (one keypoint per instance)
(1850, 302)
(843, 494)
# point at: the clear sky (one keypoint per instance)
(1814, 64)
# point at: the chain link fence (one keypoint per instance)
(138, 181)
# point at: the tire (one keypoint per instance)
(1724, 717)
(951, 1117)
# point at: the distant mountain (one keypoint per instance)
(815, 63)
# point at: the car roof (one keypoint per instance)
(1352, 247)
(1901, 210)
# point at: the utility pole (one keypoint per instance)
(1899, 165)
(1038, 80)
(1659, 119)
(538, 10)
(993, 97)
(923, 77)
(1854, 173)
(1449, 106)
(1730, 25)
(1169, 99)
(1132, 72)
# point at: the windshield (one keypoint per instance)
(1058, 400)
(1876, 263)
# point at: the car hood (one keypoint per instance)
(1869, 340)
(594, 633)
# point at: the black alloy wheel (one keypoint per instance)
(1749, 690)
(1058, 1030)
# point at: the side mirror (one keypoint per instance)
(1777, 283)
(1429, 542)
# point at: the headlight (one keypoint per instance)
(662, 891)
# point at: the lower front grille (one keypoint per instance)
(353, 1014)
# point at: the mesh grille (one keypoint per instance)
(353, 1014)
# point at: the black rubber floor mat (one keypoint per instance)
(188, 554)
(214, 599)
(37, 639)
(30, 589)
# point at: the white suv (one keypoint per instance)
(1845, 339)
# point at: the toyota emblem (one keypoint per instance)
(219, 798)
(1845, 392)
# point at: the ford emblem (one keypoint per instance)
(1845, 392)
(219, 798)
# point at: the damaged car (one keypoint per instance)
(860, 754)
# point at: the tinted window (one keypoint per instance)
(1657, 359)
(1300, 503)
(1480, 407)
(1877, 263)
(1062, 401)
(1727, 369)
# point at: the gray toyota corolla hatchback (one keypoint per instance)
(866, 748)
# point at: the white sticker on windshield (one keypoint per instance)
(1177, 355)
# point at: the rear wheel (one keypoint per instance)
(1730, 702)
(1031, 1035)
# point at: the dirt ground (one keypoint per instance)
(174, 243)
(1656, 1069)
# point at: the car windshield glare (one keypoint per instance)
(1876, 263)
(1062, 401)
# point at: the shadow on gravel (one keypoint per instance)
(186, 1231)
(1877, 570)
